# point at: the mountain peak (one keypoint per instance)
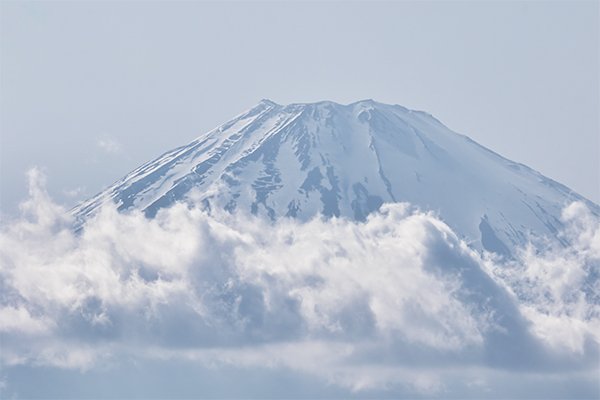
(330, 103)
(269, 102)
(366, 102)
(306, 159)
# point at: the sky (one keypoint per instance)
(91, 90)
(226, 305)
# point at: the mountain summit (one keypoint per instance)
(301, 160)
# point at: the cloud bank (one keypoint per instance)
(394, 306)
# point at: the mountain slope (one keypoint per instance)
(338, 160)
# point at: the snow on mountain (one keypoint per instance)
(301, 160)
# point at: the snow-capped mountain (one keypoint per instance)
(301, 160)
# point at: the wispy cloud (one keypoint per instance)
(109, 145)
(76, 192)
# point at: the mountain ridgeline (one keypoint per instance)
(303, 160)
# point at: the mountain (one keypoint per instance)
(301, 160)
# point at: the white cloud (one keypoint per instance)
(76, 192)
(18, 319)
(397, 300)
(557, 287)
(109, 145)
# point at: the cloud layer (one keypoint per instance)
(395, 305)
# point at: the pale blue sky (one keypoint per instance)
(91, 90)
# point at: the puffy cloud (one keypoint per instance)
(557, 287)
(20, 320)
(397, 301)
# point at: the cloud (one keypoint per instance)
(76, 192)
(19, 319)
(557, 288)
(397, 304)
(109, 145)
